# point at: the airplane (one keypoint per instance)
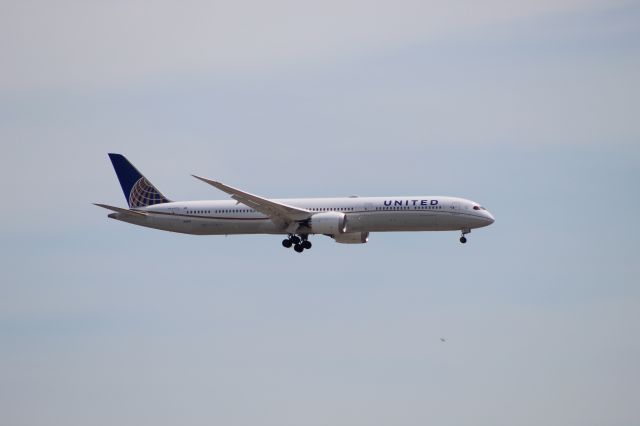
(348, 220)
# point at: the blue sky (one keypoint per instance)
(530, 109)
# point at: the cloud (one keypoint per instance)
(72, 44)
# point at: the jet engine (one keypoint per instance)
(351, 238)
(332, 223)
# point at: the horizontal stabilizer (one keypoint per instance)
(121, 210)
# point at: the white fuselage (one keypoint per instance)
(363, 214)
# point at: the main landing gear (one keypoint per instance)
(300, 243)
(465, 231)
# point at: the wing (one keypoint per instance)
(279, 213)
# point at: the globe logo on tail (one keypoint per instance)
(144, 194)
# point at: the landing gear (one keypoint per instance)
(465, 231)
(299, 243)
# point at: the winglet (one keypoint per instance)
(217, 184)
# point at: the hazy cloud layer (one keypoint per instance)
(79, 44)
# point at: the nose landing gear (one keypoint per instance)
(300, 243)
(465, 231)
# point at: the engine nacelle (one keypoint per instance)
(331, 223)
(352, 238)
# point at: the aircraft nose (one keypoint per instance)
(489, 217)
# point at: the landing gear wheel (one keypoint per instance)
(465, 231)
(295, 239)
(287, 243)
(306, 244)
(298, 248)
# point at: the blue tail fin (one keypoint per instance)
(138, 191)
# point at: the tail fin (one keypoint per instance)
(138, 191)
